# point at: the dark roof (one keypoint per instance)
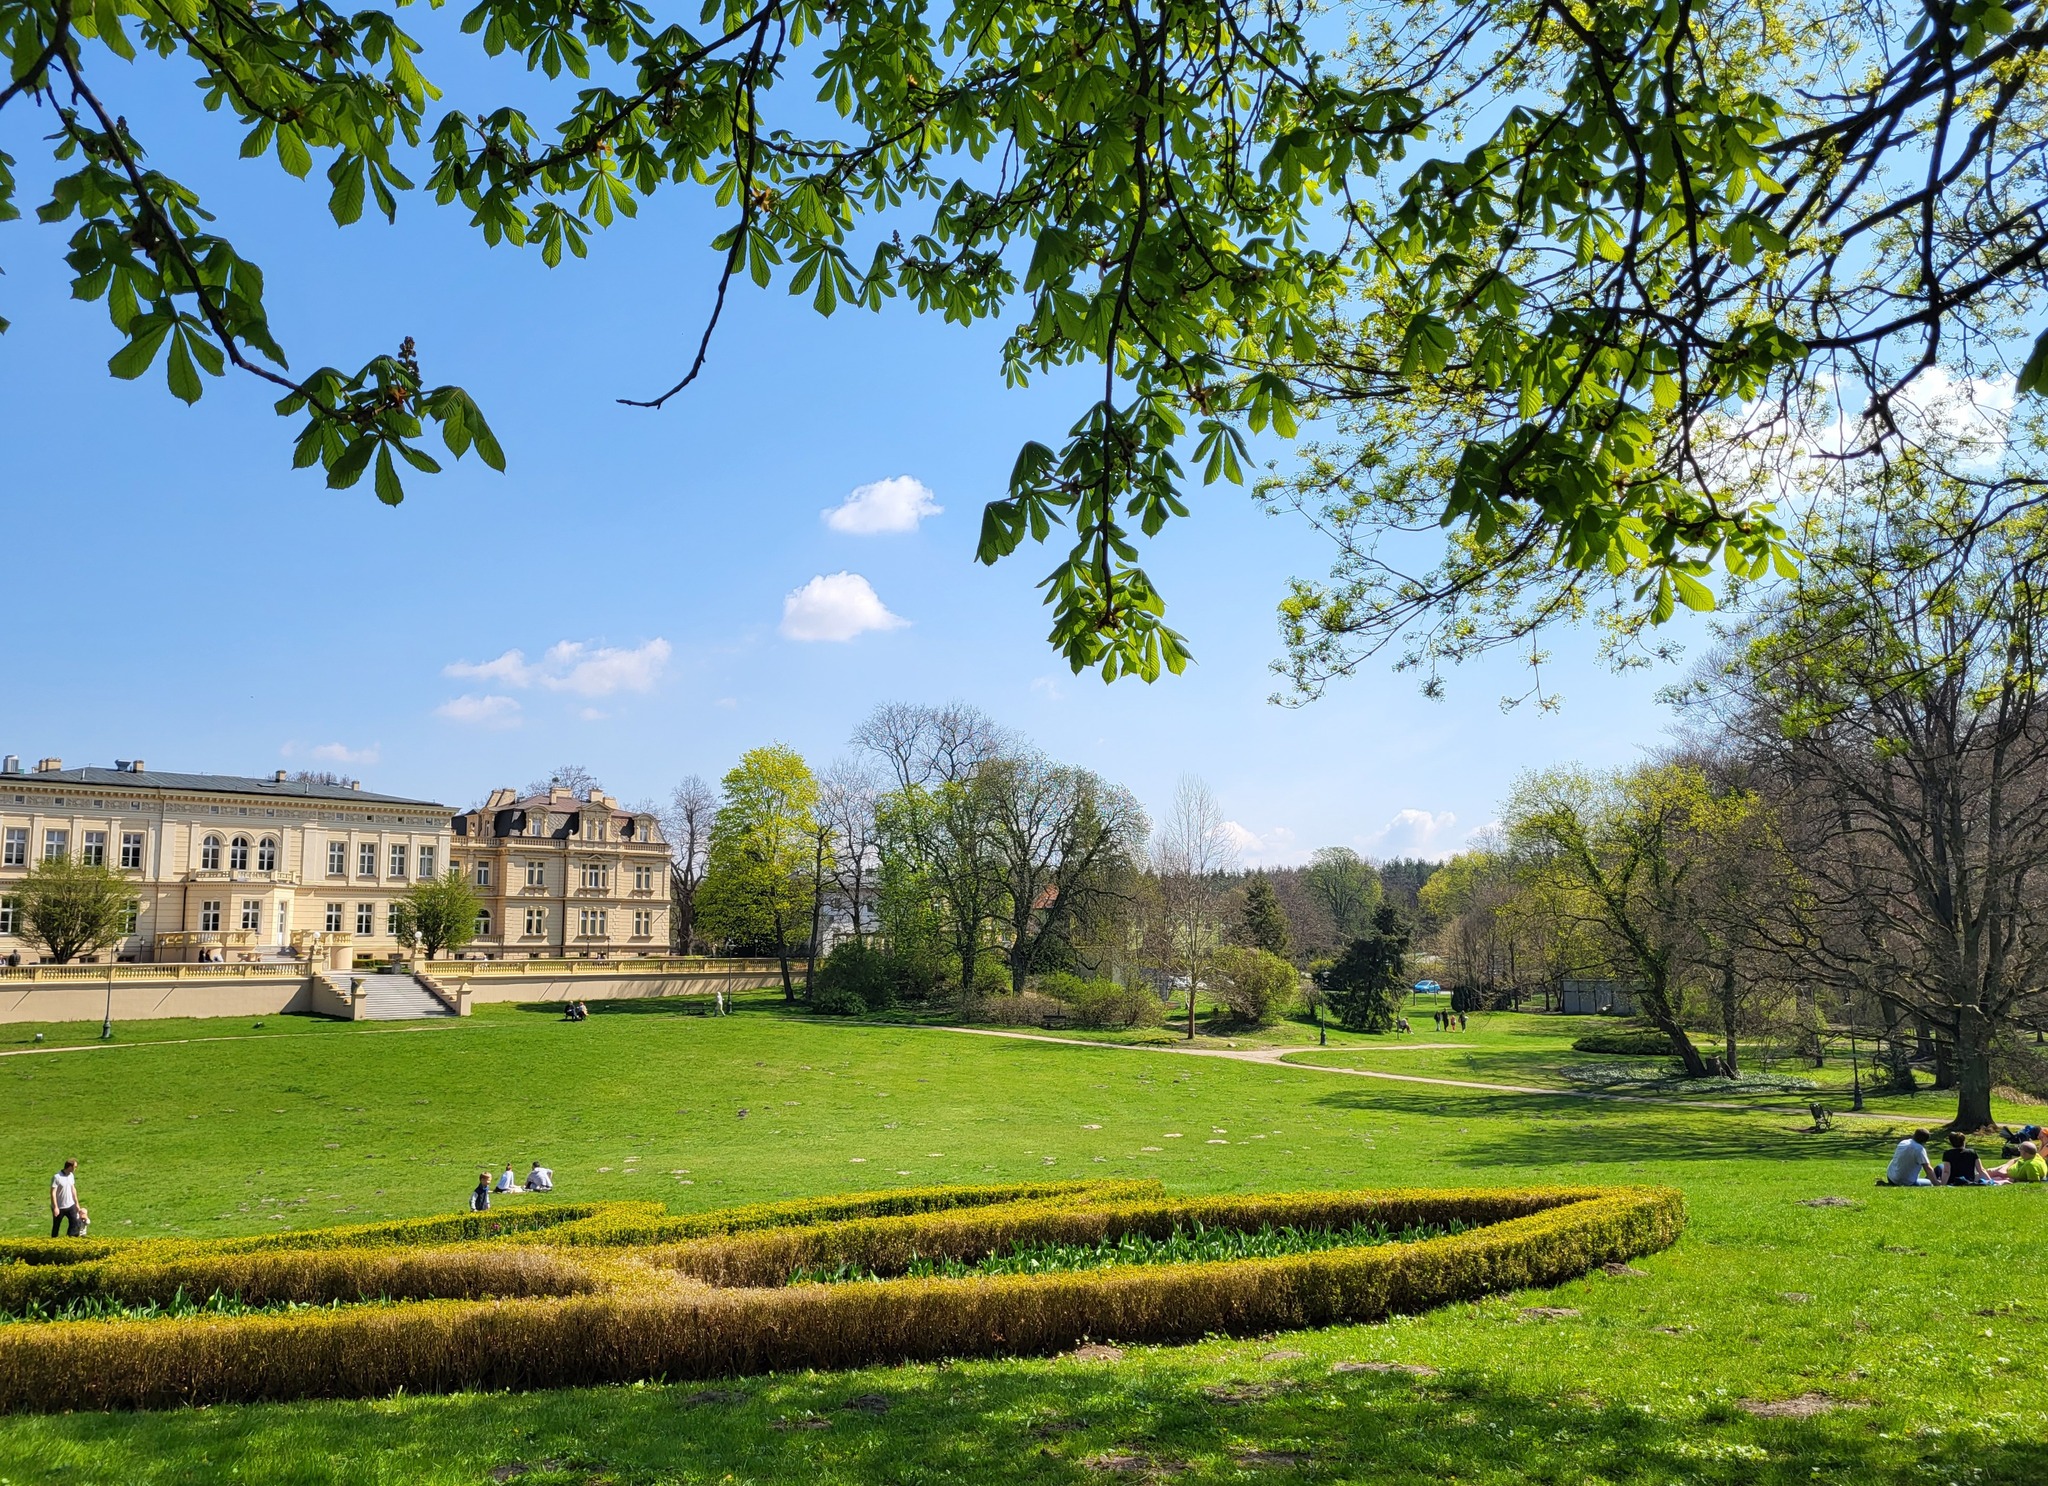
(219, 784)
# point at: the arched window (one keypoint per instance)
(209, 854)
(238, 855)
(266, 855)
(483, 921)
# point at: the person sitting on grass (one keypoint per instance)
(2025, 1167)
(1961, 1166)
(1909, 1166)
(540, 1179)
(508, 1182)
(480, 1199)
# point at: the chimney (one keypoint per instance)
(11, 764)
(137, 767)
(280, 776)
(49, 765)
(355, 784)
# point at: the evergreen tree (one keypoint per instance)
(1263, 923)
(1366, 986)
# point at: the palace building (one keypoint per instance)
(561, 875)
(224, 867)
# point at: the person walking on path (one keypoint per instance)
(64, 1201)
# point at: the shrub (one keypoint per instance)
(1625, 1042)
(1104, 1003)
(1253, 983)
(1023, 1009)
(855, 977)
(1541, 1238)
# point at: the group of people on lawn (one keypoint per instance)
(540, 1179)
(1911, 1166)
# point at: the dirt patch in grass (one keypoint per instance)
(1123, 1463)
(1235, 1392)
(1805, 1406)
(1271, 1459)
(867, 1403)
(1623, 1271)
(1096, 1352)
(1548, 1313)
(704, 1396)
(1412, 1369)
(802, 1421)
(1826, 1202)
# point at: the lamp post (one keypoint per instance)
(107, 1026)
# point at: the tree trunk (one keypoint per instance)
(782, 956)
(1656, 1000)
(1728, 1014)
(817, 913)
(1973, 1069)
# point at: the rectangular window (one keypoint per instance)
(56, 845)
(483, 874)
(536, 921)
(643, 923)
(252, 914)
(398, 860)
(426, 861)
(335, 918)
(536, 874)
(131, 915)
(93, 850)
(643, 879)
(592, 921)
(14, 852)
(366, 859)
(366, 919)
(131, 851)
(209, 916)
(593, 875)
(6, 916)
(391, 921)
(337, 859)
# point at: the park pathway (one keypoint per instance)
(1276, 1057)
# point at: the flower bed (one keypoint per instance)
(721, 1304)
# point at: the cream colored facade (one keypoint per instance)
(564, 876)
(222, 866)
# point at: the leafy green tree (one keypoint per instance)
(943, 869)
(1262, 922)
(1254, 983)
(1367, 984)
(760, 873)
(1347, 887)
(441, 911)
(72, 908)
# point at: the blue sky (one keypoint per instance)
(178, 592)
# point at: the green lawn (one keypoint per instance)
(1912, 1320)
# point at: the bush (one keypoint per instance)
(630, 1331)
(1254, 984)
(1103, 1004)
(1626, 1042)
(1024, 1009)
(854, 978)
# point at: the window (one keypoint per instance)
(266, 855)
(6, 916)
(366, 859)
(593, 874)
(209, 916)
(391, 921)
(14, 853)
(643, 923)
(536, 921)
(56, 845)
(131, 850)
(252, 914)
(209, 854)
(93, 849)
(597, 830)
(366, 919)
(592, 922)
(131, 915)
(483, 874)
(426, 861)
(337, 859)
(398, 860)
(483, 921)
(238, 855)
(536, 874)
(643, 879)
(335, 918)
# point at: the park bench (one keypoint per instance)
(1823, 1119)
(1055, 1021)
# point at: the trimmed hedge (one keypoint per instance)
(693, 1330)
(1627, 1042)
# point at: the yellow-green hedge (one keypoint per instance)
(693, 1330)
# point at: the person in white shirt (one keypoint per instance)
(1909, 1166)
(508, 1182)
(540, 1179)
(64, 1200)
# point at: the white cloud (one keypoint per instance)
(838, 607)
(1416, 833)
(1271, 849)
(895, 504)
(482, 711)
(1049, 687)
(572, 665)
(341, 753)
(592, 714)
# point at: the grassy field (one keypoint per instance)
(1881, 1337)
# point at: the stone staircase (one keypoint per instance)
(396, 998)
